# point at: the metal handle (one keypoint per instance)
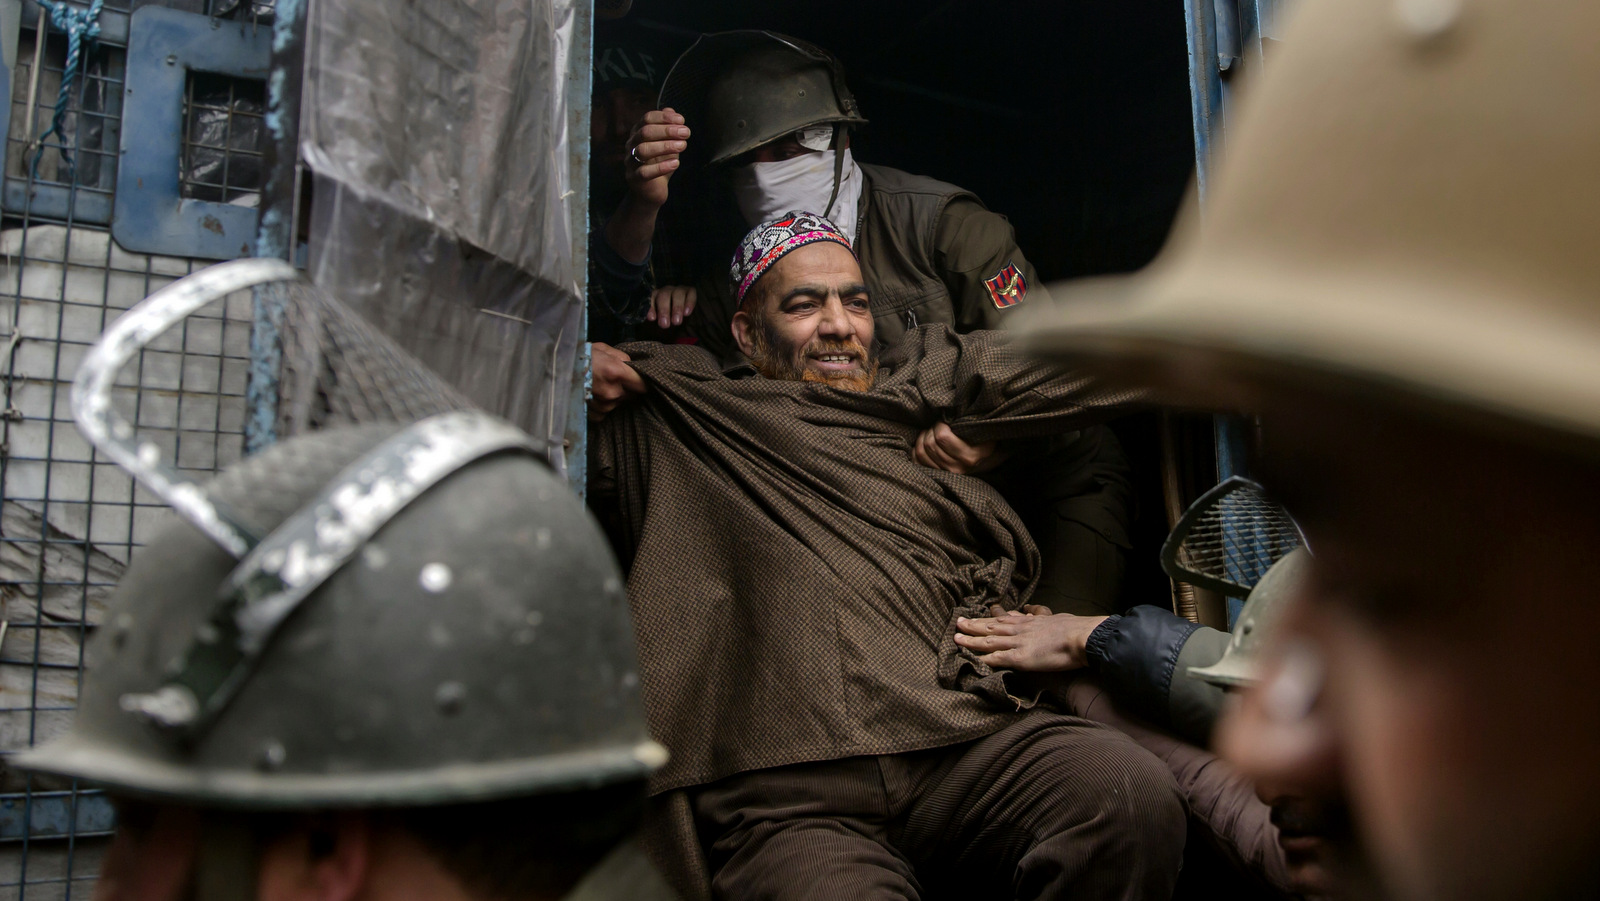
(130, 334)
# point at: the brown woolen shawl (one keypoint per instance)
(794, 576)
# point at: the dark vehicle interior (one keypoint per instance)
(1072, 119)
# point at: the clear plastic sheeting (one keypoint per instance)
(437, 133)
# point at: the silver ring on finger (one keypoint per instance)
(634, 153)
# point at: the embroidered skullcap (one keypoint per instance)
(769, 242)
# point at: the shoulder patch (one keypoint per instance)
(1007, 287)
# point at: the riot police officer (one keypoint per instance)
(771, 117)
(1163, 680)
(1398, 272)
(431, 697)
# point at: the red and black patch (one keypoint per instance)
(1007, 287)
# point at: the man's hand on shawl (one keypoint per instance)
(614, 380)
(940, 448)
(1034, 640)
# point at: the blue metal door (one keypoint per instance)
(1228, 40)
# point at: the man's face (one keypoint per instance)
(776, 151)
(156, 856)
(785, 148)
(1441, 668)
(809, 319)
(1314, 833)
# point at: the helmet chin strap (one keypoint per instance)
(839, 131)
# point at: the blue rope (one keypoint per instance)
(79, 25)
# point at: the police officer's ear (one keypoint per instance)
(325, 858)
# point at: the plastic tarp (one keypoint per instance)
(437, 132)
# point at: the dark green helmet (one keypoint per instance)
(422, 614)
(1241, 661)
(1237, 541)
(740, 89)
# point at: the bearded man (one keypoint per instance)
(760, 124)
(795, 578)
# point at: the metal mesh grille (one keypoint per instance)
(77, 168)
(1229, 539)
(70, 520)
(223, 139)
(339, 370)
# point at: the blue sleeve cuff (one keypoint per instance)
(1135, 656)
(1098, 640)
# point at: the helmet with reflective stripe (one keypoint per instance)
(476, 646)
(375, 615)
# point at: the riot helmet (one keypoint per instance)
(377, 615)
(1404, 214)
(1262, 609)
(741, 89)
(1237, 541)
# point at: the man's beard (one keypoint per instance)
(776, 361)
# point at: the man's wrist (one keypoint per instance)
(631, 227)
(633, 206)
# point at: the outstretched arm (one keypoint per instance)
(985, 271)
(1034, 640)
(988, 389)
(653, 151)
(1141, 657)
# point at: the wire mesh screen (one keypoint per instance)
(1229, 538)
(223, 139)
(70, 521)
(336, 369)
(76, 168)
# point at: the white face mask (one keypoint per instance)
(805, 182)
